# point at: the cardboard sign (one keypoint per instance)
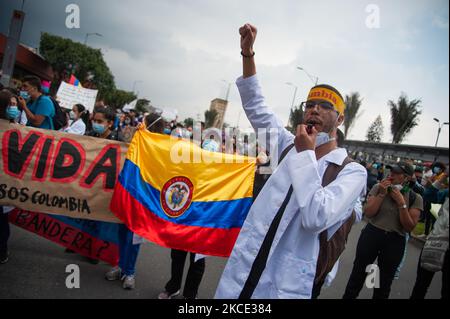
(68, 95)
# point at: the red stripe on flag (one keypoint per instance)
(65, 235)
(196, 239)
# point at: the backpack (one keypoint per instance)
(60, 119)
(437, 244)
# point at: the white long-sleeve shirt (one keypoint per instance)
(78, 127)
(292, 261)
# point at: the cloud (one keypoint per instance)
(182, 50)
(440, 22)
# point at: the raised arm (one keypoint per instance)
(259, 115)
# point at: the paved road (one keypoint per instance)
(37, 270)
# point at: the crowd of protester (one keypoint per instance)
(385, 237)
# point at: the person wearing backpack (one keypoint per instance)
(39, 109)
(393, 211)
(434, 257)
(297, 227)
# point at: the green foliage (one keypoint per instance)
(295, 118)
(375, 131)
(210, 117)
(189, 122)
(68, 57)
(118, 98)
(404, 117)
(352, 105)
(143, 105)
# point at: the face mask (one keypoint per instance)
(25, 95)
(436, 170)
(127, 121)
(72, 115)
(167, 131)
(98, 128)
(323, 138)
(12, 112)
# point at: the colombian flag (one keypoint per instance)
(179, 196)
(74, 81)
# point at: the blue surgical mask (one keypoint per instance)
(167, 131)
(12, 112)
(98, 128)
(25, 95)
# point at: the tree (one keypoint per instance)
(210, 118)
(404, 117)
(189, 122)
(352, 105)
(143, 106)
(295, 118)
(118, 98)
(375, 131)
(67, 57)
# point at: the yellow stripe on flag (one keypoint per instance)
(215, 176)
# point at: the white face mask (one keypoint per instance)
(72, 115)
(398, 186)
(324, 138)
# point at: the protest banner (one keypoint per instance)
(58, 173)
(68, 95)
(97, 240)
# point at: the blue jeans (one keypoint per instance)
(127, 251)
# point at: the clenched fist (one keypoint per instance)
(248, 36)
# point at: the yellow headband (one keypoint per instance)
(321, 93)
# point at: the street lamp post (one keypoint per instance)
(314, 79)
(134, 85)
(439, 130)
(295, 93)
(228, 89)
(89, 34)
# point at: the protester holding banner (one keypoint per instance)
(282, 248)
(102, 124)
(12, 109)
(7, 110)
(38, 108)
(128, 251)
(80, 118)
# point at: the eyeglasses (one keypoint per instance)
(323, 105)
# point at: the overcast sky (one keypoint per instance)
(184, 52)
